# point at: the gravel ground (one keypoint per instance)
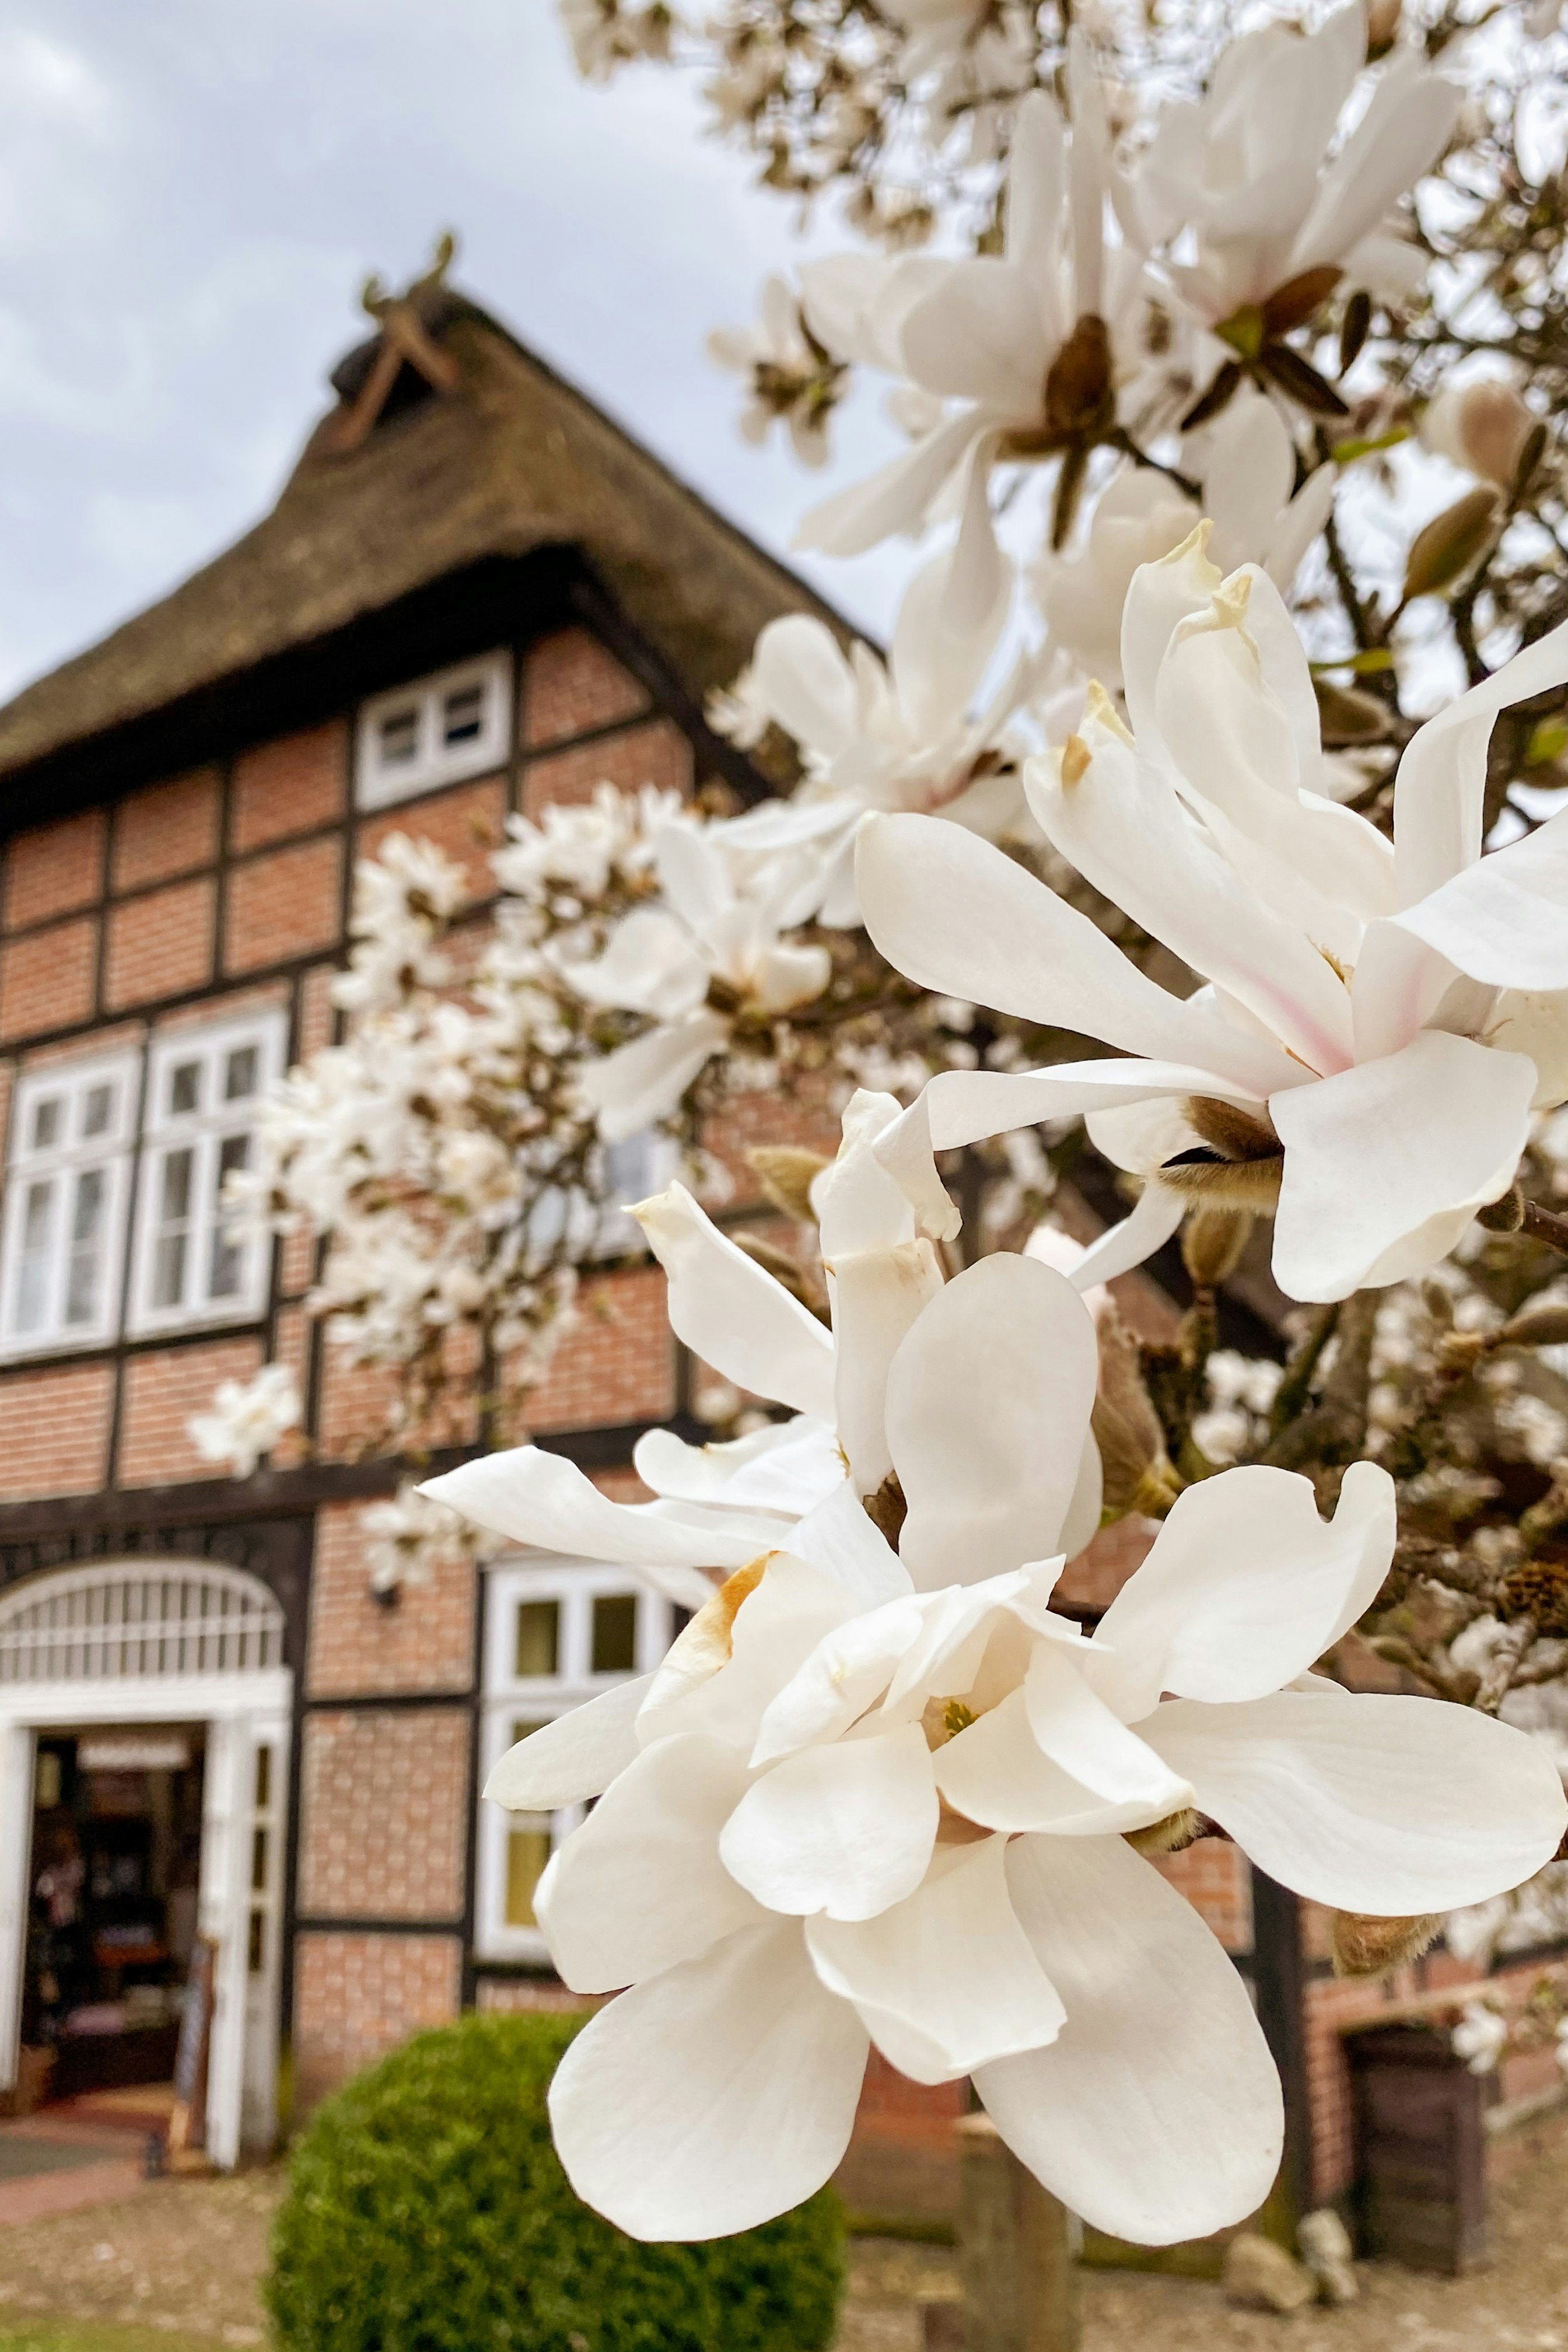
(187, 2256)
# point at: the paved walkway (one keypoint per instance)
(79, 2152)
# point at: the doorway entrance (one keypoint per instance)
(145, 1718)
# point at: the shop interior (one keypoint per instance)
(113, 1881)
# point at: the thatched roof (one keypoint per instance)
(511, 461)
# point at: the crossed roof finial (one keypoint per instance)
(403, 337)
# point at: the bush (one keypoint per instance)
(427, 2212)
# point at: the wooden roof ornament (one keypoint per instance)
(450, 445)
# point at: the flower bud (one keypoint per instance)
(1138, 1472)
(1382, 26)
(785, 1174)
(1543, 1325)
(1365, 1946)
(1537, 1590)
(1482, 425)
(1213, 1241)
(1452, 544)
(1169, 1836)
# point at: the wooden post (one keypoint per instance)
(1014, 2251)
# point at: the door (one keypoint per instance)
(15, 1852)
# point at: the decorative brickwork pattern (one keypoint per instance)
(54, 869)
(161, 945)
(357, 1997)
(166, 830)
(384, 1812)
(56, 1428)
(571, 684)
(507, 1995)
(289, 786)
(47, 978)
(163, 1389)
(284, 905)
(618, 1361)
(357, 1644)
(467, 823)
(656, 753)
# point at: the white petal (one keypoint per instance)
(947, 1980)
(988, 1401)
(898, 496)
(1081, 1524)
(1394, 1806)
(1078, 1732)
(801, 677)
(851, 1666)
(640, 1886)
(543, 1499)
(976, 336)
(1121, 1247)
(845, 1829)
(878, 1295)
(713, 2097)
(1401, 136)
(576, 1756)
(840, 1538)
(1386, 1164)
(1505, 919)
(1156, 2113)
(733, 1314)
(649, 966)
(1245, 1587)
(641, 1083)
(776, 1628)
(788, 1466)
(993, 1772)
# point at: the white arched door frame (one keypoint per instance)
(163, 1641)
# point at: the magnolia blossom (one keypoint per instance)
(1248, 493)
(792, 378)
(1251, 174)
(881, 1792)
(1481, 424)
(708, 957)
(1380, 1020)
(247, 1418)
(1481, 2037)
(907, 733)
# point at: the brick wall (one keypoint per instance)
(425, 1644)
(357, 1997)
(57, 1431)
(383, 1807)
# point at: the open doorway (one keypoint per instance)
(113, 1891)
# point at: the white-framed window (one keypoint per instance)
(556, 1633)
(634, 1168)
(434, 731)
(72, 1127)
(203, 1088)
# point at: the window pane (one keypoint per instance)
(263, 1779)
(226, 1264)
(538, 1639)
(33, 1267)
(527, 1852)
(240, 1071)
(97, 1110)
(186, 1087)
(463, 715)
(255, 1950)
(614, 1632)
(47, 1123)
(398, 737)
(170, 1248)
(176, 1193)
(88, 1215)
(259, 1860)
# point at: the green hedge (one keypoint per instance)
(427, 2212)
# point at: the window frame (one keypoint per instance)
(380, 784)
(505, 1696)
(113, 1151)
(204, 1131)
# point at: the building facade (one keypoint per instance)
(475, 595)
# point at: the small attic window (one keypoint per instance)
(437, 731)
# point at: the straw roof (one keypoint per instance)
(511, 462)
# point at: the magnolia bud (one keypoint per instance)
(785, 1174)
(1169, 1836)
(1543, 1325)
(1452, 544)
(1482, 425)
(1382, 26)
(1365, 1946)
(1138, 1473)
(1212, 1243)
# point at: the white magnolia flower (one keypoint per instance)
(1030, 343)
(885, 1796)
(409, 1537)
(1481, 2037)
(1250, 172)
(1248, 475)
(1481, 424)
(902, 734)
(1379, 1020)
(792, 378)
(247, 1418)
(710, 953)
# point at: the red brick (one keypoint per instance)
(618, 1361)
(467, 824)
(47, 978)
(163, 1389)
(570, 684)
(357, 1644)
(358, 1996)
(57, 1431)
(165, 830)
(54, 869)
(655, 753)
(160, 945)
(284, 905)
(289, 786)
(384, 1812)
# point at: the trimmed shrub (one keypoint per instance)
(427, 2212)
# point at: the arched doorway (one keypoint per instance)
(89, 1651)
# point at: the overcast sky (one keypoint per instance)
(191, 191)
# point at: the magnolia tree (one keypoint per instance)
(1204, 800)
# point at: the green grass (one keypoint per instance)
(19, 2334)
